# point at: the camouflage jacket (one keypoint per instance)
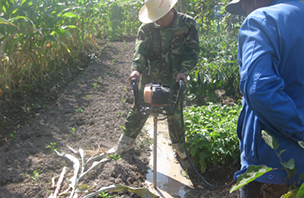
(161, 53)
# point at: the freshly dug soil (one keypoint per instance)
(84, 111)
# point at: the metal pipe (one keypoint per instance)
(155, 152)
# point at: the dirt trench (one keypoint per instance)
(88, 114)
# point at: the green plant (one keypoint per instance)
(105, 194)
(121, 114)
(13, 135)
(95, 86)
(254, 172)
(144, 142)
(52, 147)
(210, 134)
(73, 130)
(115, 158)
(79, 110)
(122, 128)
(35, 175)
(25, 174)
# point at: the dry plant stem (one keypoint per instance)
(59, 182)
(53, 182)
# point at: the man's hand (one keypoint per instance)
(135, 74)
(181, 76)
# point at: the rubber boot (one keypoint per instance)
(179, 149)
(124, 144)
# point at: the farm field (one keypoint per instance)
(86, 111)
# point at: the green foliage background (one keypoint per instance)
(41, 37)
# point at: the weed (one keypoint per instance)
(95, 86)
(105, 194)
(52, 147)
(35, 175)
(87, 96)
(144, 142)
(30, 118)
(121, 114)
(115, 158)
(25, 174)
(122, 128)
(79, 110)
(13, 135)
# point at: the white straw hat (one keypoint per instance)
(235, 7)
(155, 9)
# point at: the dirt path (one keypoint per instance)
(88, 114)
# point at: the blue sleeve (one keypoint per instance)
(262, 83)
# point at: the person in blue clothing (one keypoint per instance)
(271, 62)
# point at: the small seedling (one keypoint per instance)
(30, 118)
(79, 110)
(35, 175)
(105, 194)
(52, 147)
(95, 86)
(73, 130)
(115, 158)
(13, 135)
(87, 96)
(25, 174)
(122, 128)
(99, 78)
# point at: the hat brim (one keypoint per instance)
(144, 17)
(235, 7)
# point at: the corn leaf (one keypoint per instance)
(251, 174)
(145, 193)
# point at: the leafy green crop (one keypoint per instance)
(211, 134)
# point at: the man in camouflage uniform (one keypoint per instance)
(167, 48)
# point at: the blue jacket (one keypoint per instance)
(271, 60)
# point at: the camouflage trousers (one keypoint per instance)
(135, 122)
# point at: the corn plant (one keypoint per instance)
(39, 37)
(80, 170)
